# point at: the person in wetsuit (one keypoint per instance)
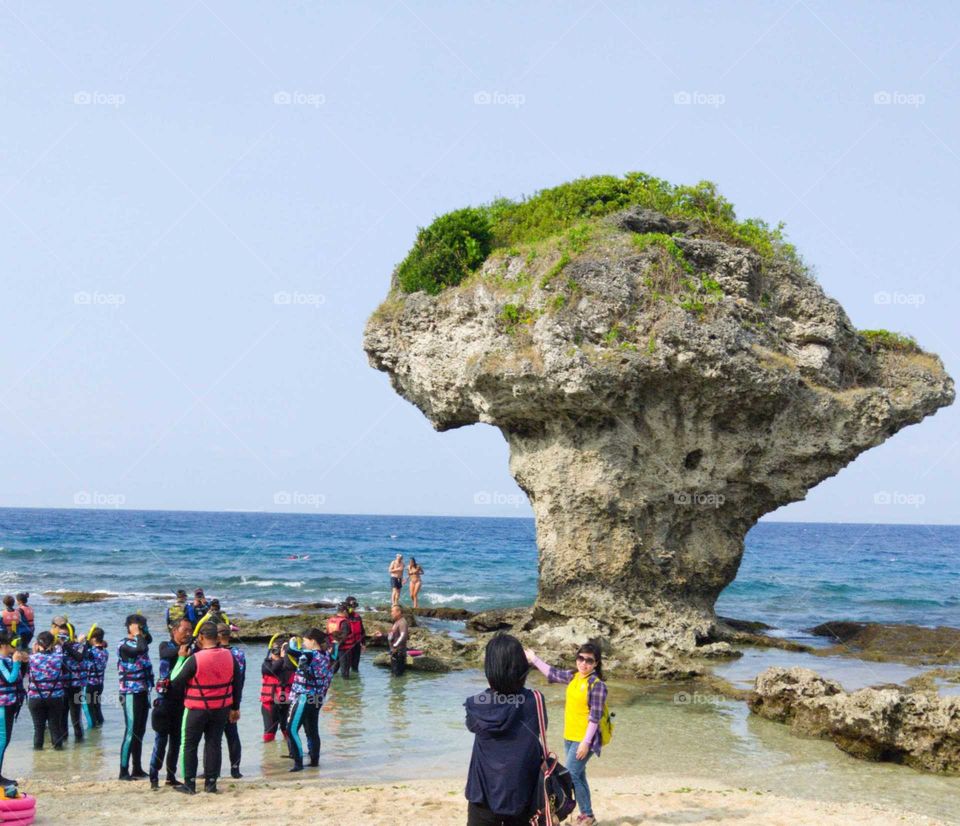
(74, 675)
(277, 672)
(167, 716)
(135, 673)
(12, 666)
(310, 684)
(45, 691)
(231, 731)
(212, 688)
(96, 668)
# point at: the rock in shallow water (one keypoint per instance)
(918, 729)
(650, 430)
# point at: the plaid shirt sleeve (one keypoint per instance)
(559, 675)
(595, 700)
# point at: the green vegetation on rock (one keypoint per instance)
(456, 244)
(886, 340)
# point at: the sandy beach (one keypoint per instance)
(621, 800)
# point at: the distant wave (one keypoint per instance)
(442, 598)
(270, 583)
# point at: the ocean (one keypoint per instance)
(376, 728)
(793, 575)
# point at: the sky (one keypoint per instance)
(203, 201)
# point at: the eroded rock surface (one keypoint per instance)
(652, 417)
(917, 728)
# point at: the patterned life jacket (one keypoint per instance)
(241, 659)
(46, 675)
(96, 664)
(10, 688)
(212, 686)
(135, 676)
(74, 671)
(313, 675)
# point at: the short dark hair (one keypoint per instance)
(505, 664)
(8, 600)
(45, 639)
(316, 635)
(208, 631)
(6, 638)
(97, 634)
(139, 619)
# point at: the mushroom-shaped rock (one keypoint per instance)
(662, 382)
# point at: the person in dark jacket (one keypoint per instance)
(167, 716)
(505, 763)
(135, 676)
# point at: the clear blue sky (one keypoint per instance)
(168, 168)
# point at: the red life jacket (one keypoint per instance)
(355, 634)
(212, 686)
(334, 626)
(273, 690)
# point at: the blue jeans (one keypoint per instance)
(578, 773)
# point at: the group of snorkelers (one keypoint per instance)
(193, 695)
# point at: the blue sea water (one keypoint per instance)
(793, 575)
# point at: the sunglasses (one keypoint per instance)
(587, 660)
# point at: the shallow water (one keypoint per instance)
(377, 728)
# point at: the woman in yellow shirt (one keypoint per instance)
(586, 695)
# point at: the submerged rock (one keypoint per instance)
(891, 642)
(658, 397)
(916, 728)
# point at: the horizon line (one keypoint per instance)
(412, 515)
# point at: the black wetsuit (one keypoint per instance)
(277, 708)
(167, 717)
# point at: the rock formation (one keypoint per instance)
(919, 729)
(660, 390)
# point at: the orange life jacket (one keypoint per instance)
(212, 686)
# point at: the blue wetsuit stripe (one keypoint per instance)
(128, 734)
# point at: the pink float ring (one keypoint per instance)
(19, 818)
(24, 803)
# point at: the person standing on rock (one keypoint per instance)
(583, 711)
(397, 639)
(396, 579)
(415, 578)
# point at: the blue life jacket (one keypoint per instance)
(46, 675)
(9, 684)
(135, 676)
(23, 627)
